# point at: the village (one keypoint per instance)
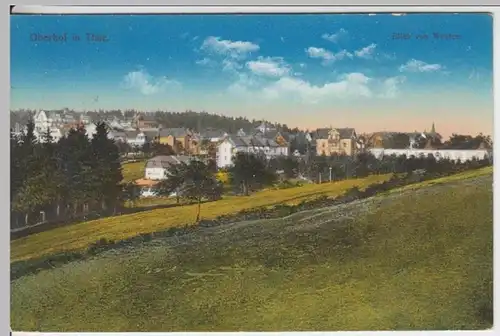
(135, 134)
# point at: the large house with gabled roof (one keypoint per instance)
(248, 144)
(342, 141)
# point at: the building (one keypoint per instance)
(157, 168)
(213, 135)
(180, 139)
(265, 127)
(253, 144)
(44, 120)
(451, 154)
(85, 119)
(55, 133)
(141, 121)
(118, 135)
(136, 138)
(342, 141)
(91, 129)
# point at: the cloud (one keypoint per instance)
(230, 65)
(269, 66)
(347, 86)
(414, 65)
(327, 56)
(145, 83)
(228, 48)
(335, 37)
(390, 86)
(205, 61)
(366, 52)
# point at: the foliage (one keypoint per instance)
(249, 172)
(72, 177)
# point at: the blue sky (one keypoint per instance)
(304, 70)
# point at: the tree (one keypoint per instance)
(130, 192)
(400, 141)
(106, 167)
(200, 183)
(249, 170)
(76, 162)
(289, 165)
(16, 165)
(174, 181)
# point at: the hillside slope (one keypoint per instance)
(417, 260)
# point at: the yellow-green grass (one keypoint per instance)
(413, 261)
(133, 171)
(452, 178)
(151, 201)
(80, 236)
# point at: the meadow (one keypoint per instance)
(133, 170)
(418, 259)
(79, 236)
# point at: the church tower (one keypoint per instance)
(433, 129)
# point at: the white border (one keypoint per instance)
(37, 9)
(34, 9)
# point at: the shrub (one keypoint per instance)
(99, 245)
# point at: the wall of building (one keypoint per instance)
(224, 154)
(155, 173)
(452, 154)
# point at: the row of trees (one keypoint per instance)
(65, 178)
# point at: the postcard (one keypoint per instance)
(251, 172)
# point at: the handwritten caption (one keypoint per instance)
(424, 36)
(65, 37)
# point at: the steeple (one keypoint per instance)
(433, 129)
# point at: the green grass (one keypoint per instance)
(133, 171)
(80, 236)
(452, 178)
(420, 260)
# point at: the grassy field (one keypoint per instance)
(81, 235)
(416, 260)
(133, 171)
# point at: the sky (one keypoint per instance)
(378, 72)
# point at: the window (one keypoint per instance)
(345, 144)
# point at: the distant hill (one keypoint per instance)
(189, 119)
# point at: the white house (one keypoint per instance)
(265, 127)
(451, 154)
(157, 167)
(91, 130)
(234, 144)
(55, 133)
(136, 138)
(42, 121)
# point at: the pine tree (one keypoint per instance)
(107, 171)
(75, 160)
